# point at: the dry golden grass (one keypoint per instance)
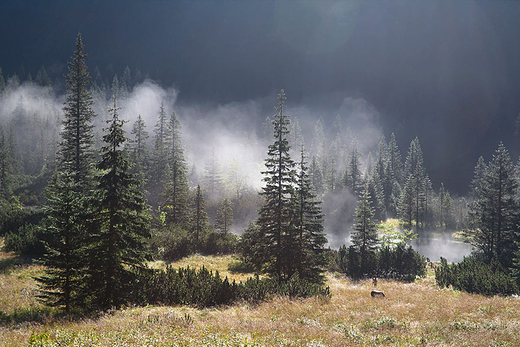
(416, 314)
(214, 263)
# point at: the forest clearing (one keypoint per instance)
(413, 314)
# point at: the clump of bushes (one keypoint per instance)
(204, 288)
(473, 275)
(401, 263)
(174, 242)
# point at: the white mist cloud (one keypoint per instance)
(145, 100)
(32, 98)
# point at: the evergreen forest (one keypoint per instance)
(95, 195)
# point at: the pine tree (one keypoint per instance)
(77, 134)
(224, 220)
(308, 222)
(364, 238)
(274, 219)
(495, 212)
(64, 260)
(120, 222)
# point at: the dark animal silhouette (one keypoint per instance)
(374, 281)
(377, 294)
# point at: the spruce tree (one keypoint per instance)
(64, 260)
(199, 220)
(274, 221)
(224, 220)
(159, 153)
(77, 135)
(353, 179)
(364, 238)
(445, 207)
(417, 184)
(138, 148)
(495, 212)
(177, 190)
(308, 223)
(478, 174)
(316, 176)
(393, 180)
(212, 176)
(120, 222)
(67, 205)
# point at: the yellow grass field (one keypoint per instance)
(416, 314)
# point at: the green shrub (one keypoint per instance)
(25, 241)
(204, 288)
(473, 275)
(401, 263)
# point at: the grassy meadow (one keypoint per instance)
(415, 314)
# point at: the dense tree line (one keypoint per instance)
(109, 203)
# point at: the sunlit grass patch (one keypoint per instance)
(413, 314)
(218, 263)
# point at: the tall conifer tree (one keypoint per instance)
(177, 189)
(67, 206)
(224, 220)
(308, 222)
(364, 237)
(65, 263)
(275, 215)
(120, 222)
(495, 212)
(77, 135)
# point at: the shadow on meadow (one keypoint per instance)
(10, 263)
(42, 315)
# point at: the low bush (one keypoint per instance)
(204, 288)
(401, 263)
(473, 275)
(25, 241)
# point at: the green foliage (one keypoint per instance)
(364, 236)
(77, 134)
(27, 240)
(473, 275)
(13, 216)
(252, 248)
(65, 244)
(171, 243)
(224, 220)
(290, 232)
(119, 223)
(204, 288)
(494, 215)
(400, 263)
(275, 216)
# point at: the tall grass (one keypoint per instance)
(413, 314)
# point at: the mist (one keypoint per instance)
(237, 135)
